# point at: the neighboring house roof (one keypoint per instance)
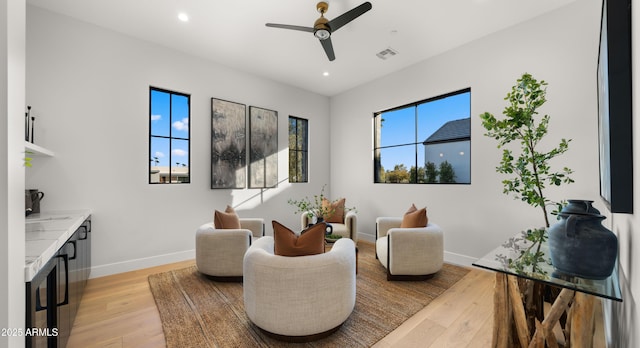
(455, 130)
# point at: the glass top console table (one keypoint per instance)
(515, 325)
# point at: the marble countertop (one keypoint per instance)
(45, 233)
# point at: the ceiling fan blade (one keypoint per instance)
(328, 48)
(292, 27)
(348, 16)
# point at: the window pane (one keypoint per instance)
(396, 163)
(297, 166)
(180, 116)
(302, 135)
(293, 166)
(160, 115)
(293, 138)
(159, 169)
(398, 127)
(433, 115)
(298, 155)
(445, 126)
(180, 160)
(304, 161)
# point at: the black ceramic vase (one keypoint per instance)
(329, 229)
(580, 245)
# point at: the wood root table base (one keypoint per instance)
(510, 328)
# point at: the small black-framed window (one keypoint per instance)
(169, 137)
(298, 149)
(425, 142)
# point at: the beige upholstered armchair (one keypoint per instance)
(219, 252)
(409, 253)
(299, 298)
(348, 228)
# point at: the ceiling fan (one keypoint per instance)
(323, 27)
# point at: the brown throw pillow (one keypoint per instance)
(414, 218)
(411, 209)
(227, 219)
(287, 243)
(337, 210)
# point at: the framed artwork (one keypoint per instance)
(263, 147)
(228, 144)
(615, 107)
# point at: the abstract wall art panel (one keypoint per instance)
(263, 148)
(228, 144)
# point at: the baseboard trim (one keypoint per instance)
(159, 260)
(449, 257)
(459, 259)
(367, 237)
(132, 265)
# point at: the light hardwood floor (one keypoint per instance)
(119, 311)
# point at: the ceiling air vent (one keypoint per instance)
(387, 53)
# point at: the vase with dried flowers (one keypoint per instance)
(316, 208)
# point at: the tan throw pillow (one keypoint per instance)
(227, 219)
(411, 209)
(337, 210)
(414, 218)
(287, 243)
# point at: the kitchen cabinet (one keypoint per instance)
(54, 293)
(41, 297)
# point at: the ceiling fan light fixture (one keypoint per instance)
(322, 34)
(323, 28)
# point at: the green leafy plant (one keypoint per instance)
(27, 159)
(528, 168)
(530, 258)
(333, 236)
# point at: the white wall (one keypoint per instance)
(560, 47)
(89, 91)
(12, 96)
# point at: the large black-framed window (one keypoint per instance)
(169, 137)
(425, 142)
(298, 149)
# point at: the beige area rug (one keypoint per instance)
(198, 312)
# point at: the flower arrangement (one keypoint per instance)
(315, 207)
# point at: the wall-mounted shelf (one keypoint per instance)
(37, 150)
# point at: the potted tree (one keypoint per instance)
(519, 135)
(528, 168)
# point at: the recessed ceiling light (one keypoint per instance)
(326, 73)
(183, 17)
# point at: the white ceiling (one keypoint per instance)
(233, 32)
